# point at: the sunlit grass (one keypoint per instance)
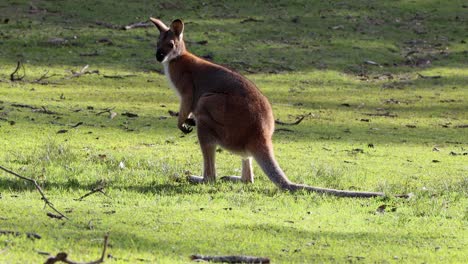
(303, 66)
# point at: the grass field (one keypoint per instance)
(385, 83)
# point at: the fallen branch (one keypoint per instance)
(429, 77)
(23, 106)
(126, 27)
(14, 76)
(92, 54)
(137, 25)
(118, 76)
(129, 114)
(83, 71)
(54, 216)
(298, 121)
(230, 259)
(63, 257)
(386, 114)
(107, 110)
(44, 77)
(44, 110)
(283, 130)
(99, 189)
(15, 233)
(39, 189)
(76, 125)
(250, 19)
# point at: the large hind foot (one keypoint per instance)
(231, 178)
(194, 179)
(197, 179)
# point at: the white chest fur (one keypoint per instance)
(168, 76)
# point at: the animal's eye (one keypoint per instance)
(170, 45)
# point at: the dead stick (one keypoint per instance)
(429, 77)
(44, 77)
(93, 191)
(39, 189)
(299, 120)
(15, 233)
(137, 25)
(12, 75)
(62, 256)
(231, 259)
(107, 110)
(283, 130)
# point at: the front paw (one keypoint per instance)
(185, 128)
(190, 122)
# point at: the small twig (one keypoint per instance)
(51, 215)
(63, 257)
(83, 71)
(14, 76)
(15, 233)
(298, 121)
(250, 19)
(76, 125)
(43, 77)
(107, 110)
(126, 27)
(23, 106)
(99, 189)
(387, 114)
(230, 259)
(283, 130)
(429, 77)
(39, 189)
(137, 25)
(118, 76)
(95, 53)
(44, 110)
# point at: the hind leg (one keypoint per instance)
(207, 141)
(209, 169)
(247, 173)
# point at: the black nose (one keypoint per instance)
(159, 55)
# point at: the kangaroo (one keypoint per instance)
(228, 111)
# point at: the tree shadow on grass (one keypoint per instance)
(265, 37)
(169, 188)
(156, 242)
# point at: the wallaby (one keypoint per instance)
(228, 110)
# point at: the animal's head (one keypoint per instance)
(170, 43)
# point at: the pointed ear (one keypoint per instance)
(159, 24)
(177, 27)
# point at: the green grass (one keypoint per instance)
(306, 57)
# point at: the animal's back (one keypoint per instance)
(242, 114)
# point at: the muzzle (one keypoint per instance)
(160, 55)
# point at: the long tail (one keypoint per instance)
(272, 169)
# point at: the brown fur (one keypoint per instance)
(229, 111)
